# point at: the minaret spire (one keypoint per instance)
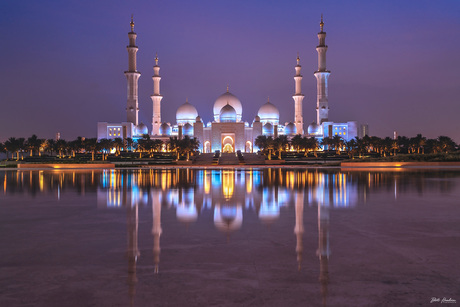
(132, 76)
(322, 76)
(156, 98)
(298, 98)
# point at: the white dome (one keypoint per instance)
(165, 129)
(290, 129)
(142, 129)
(227, 114)
(187, 129)
(231, 100)
(313, 128)
(269, 113)
(267, 129)
(186, 113)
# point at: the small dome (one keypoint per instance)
(257, 119)
(267, 129)
(269, 113)
(224, 99)
(187, 129)
(186, 113)
(165, 129)
(198, 119)
(313, 128)
(228, 114)
(142, 129)
(290, 129)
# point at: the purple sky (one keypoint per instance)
(395, 65)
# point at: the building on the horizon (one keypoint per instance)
(227, 131)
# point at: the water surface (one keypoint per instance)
(247, 237)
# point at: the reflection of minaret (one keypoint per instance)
(298, 98)
(156, 99)
(323, 251)
(132, 75)
(322, 75)
(298, 228)
(156, 228)
(132, 251)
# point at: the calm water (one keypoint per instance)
(244, 237)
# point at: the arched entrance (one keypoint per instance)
(248, 147)
(228, 144)
(207, 147)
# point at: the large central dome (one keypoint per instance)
(222, 102)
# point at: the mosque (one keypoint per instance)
(228, 132)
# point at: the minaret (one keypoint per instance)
(322, 75)
(132, 75)
(298, 98)
(156, 98)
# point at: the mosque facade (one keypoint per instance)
(227, 131)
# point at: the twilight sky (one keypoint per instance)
(395, 65)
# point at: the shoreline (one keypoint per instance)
(345, 166)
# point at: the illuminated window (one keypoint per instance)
(336, 133)
(340, 133)
(344, 133)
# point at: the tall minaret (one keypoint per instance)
(156, 98)
(322, 75)
(298, 98)
(132, 75)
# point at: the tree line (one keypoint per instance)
(34, 146)
(16, 148)
(357, 146)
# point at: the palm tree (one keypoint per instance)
(421, 142)
(61, 146)
(118, 143)
(188, 145)
(296, 142)
(50, 146)
(311, 144)
(337, 143)
(446, 143)
(15, 145)
(3, 149)
(173, 145)
(91, 145)
(105, 145)
(33, 144)
(129, 144)
(265, 144)
(351, 146)
(280, 143)
(326, 142)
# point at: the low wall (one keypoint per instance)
(399, 164)
(66, 166)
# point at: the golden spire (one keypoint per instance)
(321, 24)
(227, 87)
(132, 23)
(268, 98)
(298, 58)
(156, 58)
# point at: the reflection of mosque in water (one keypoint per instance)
(229, 193)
